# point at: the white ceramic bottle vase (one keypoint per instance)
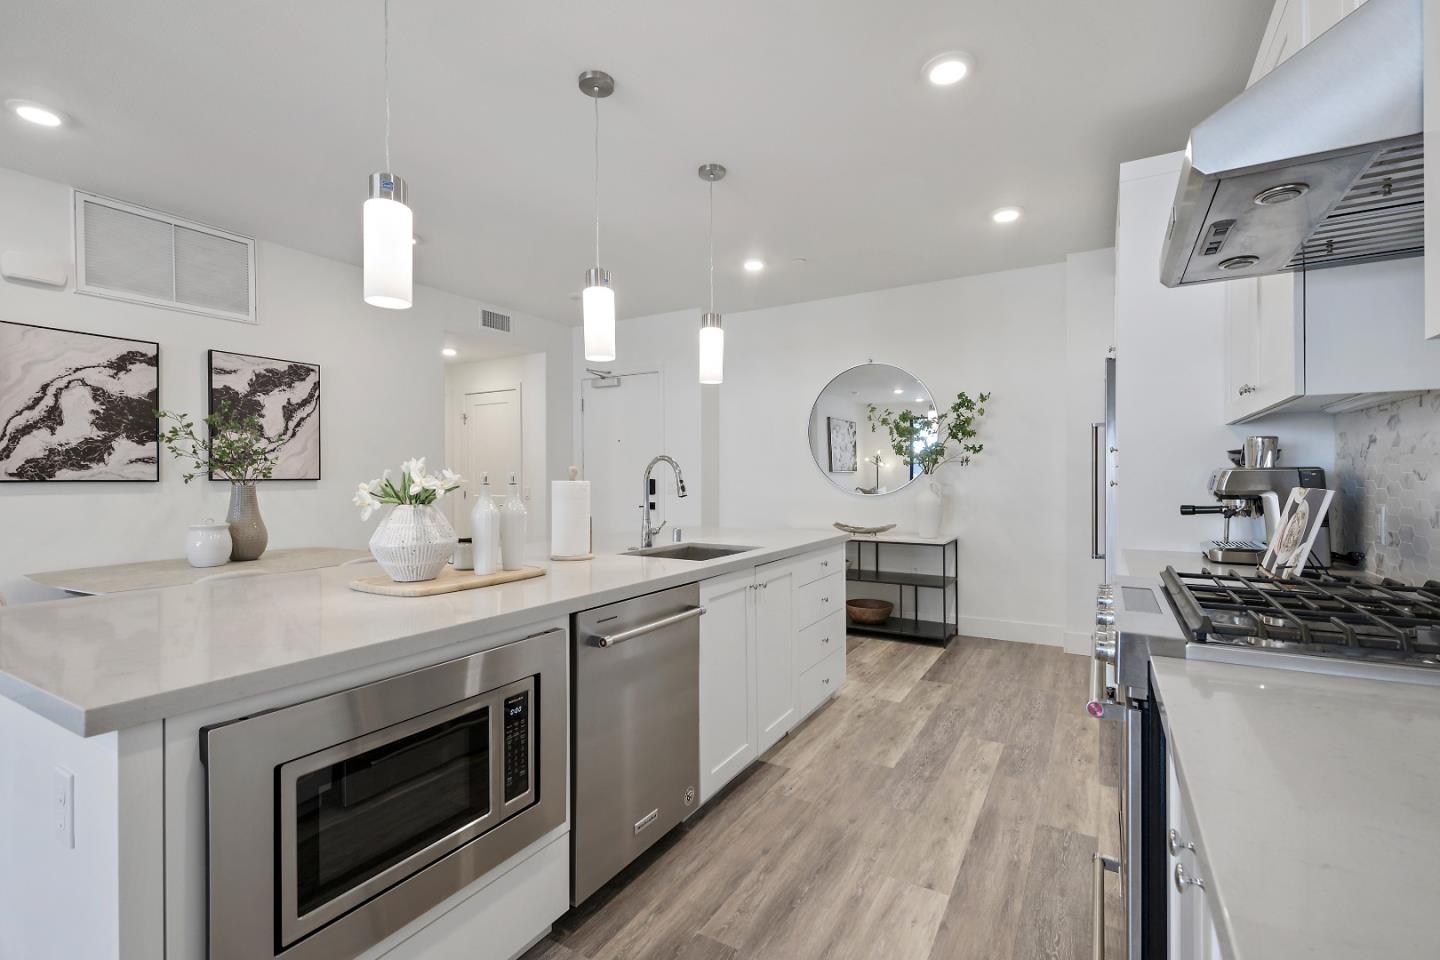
(512, 529)
(485, 530)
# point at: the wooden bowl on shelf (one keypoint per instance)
(869, 611)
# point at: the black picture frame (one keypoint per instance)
(319, 434)
(853, 465)
(7, 416)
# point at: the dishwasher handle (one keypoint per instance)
(610, 640)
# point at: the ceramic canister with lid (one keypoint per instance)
(207, 544)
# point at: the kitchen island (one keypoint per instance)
(104, 700)
(1310, 801)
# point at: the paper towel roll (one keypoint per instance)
(569, 519)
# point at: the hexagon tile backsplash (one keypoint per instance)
(1387, 459)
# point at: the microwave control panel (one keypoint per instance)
(517, 746)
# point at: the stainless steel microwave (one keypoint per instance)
(333, 823)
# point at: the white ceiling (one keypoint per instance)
(265, 117)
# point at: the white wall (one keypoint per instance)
(1171, 430)
(666, 343)
(1001, 332)
(526, 374)
(382, 399)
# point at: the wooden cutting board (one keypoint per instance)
(449, 581)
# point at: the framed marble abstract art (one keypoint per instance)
(284, 395)
(77, 406)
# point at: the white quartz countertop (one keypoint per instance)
(97, 664)
(1314, 802)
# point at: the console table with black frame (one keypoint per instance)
(908, 627)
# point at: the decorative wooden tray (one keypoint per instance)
(449, 581)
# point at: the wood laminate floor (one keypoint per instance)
(944, 805)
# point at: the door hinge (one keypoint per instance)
(465, 418)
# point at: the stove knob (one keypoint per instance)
(1104, 601)
(1104, 648)
(1104, 618)
(1106, 590)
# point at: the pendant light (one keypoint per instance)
(597, 301)
(388, 224)
(712, 335)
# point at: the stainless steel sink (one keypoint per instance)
(692, 551)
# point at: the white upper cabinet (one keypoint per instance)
(1264, 343)
(1294, 23)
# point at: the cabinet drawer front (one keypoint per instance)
(822, 681)
(817, 641)
(821, 563)
(814, 601)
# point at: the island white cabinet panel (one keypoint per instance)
(821, 563)
(1191, 925)
(775, 651)
(820, 682)
(728, 714)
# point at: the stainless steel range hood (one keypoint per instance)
(1320, 163)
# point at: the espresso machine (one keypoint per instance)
(1256, 487)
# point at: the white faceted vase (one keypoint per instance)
(929, 508)
(413, 543)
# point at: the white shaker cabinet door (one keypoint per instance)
(774, 652)
(727, 680)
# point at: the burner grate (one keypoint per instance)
(1318, 614)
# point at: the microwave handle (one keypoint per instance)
(1097, 434)
(610, 640)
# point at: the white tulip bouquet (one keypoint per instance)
(415, 488)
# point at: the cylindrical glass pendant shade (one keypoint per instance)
(712, 349)
(597, 303)
(389, 230)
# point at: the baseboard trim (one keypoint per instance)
(1015, 630)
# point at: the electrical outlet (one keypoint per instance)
(62, 807)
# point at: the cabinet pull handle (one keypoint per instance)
(1176, 845)
(1246, 388)
(1183, 880)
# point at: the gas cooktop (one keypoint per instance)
(1314, 616)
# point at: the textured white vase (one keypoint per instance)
(929, 508)
(413, 543)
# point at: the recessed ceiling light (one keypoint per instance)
(799, 261)
(947, 68)
(38, 114)
(899, 390)
(754, 265)
(1006, 214)
(919, 399)
(449, 352)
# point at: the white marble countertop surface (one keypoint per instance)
(97, 664)
(1314, 803)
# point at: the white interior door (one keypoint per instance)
(491, 434)
(623, 424)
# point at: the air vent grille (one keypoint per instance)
(126, 252)
(493, 320)
(1382, 215)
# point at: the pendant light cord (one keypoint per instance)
(712, 246)
(387, 86)
(597, 178)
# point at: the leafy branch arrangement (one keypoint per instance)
(415, 488)
(927, 439)
(234, 448)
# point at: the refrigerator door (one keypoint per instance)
(1109, 473)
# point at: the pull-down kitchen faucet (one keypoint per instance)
(647, 532)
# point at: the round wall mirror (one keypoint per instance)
(851, 446)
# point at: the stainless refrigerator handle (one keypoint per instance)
(1097, 913)
(609, 640)
(1096, 434)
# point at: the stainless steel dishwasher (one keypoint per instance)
(636, 725)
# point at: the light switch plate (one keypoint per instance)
(62, 807)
